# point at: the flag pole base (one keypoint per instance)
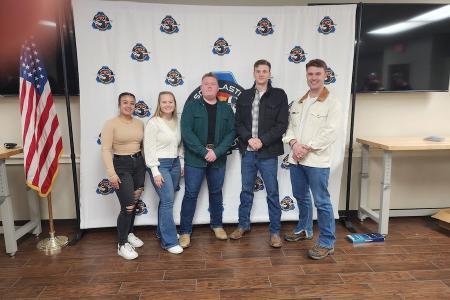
(53, 244)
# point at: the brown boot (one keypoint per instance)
(294, 237)
(185, 240)
(275, 241)
(319, 252)
(220, 233)
(238, 233)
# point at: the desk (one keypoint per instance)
(13, 233)
(388, 145)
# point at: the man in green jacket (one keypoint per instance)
(207, 129)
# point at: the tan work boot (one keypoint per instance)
(237, 233)
(275, 241)
(319, 252)
(185, 240)
(220, 233)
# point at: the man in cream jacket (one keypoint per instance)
(313, 122)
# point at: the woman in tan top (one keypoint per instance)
(121, 150)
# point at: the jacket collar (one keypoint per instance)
(269, 86)
(322, 97)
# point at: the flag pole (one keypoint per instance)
(53, 244)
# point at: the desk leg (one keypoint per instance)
(385, 193)
(6, 212)
(35, 211)
(364, 191)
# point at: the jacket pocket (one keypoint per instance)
(198, 122)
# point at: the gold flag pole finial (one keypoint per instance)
(53, 244)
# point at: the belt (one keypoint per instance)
(210, 146)
(135, 155)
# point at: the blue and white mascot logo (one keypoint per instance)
(169, 25)
(105, 75)
(140, 53)
(287, 204)
(221, 47)
(290, 105)
(101, 22)
(297, 55)
(99, 139)
(174, 78)
(141, 109)
(140, 208)
(285, 163)
(234, 146)
(264, 27)
(259, 184)
(331, 77)
(326, 26)
(104, 187)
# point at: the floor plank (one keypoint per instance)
(413, 263)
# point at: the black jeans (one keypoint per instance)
(131, 171)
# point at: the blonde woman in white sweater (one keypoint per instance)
(164, 156)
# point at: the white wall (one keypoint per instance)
(419, 179)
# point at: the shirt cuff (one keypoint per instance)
(155, 171)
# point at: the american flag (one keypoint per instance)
(42, 142)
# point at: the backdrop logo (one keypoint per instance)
(140, 53)
(169, 25)
(331, 77)
(326, 26)
(99, 139)
(140, 208)
(221, 47)
(105, 75)
(229, 89)
(104, 187)
(290, 105)
(101, 22)
(174, 78)
(297, 55)
(259, 184)
(264, 27)
(234, 146)
(287, 204)
(141, 109)
(285, 163)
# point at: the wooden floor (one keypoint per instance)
(414, 263)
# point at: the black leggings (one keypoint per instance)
(131, 171)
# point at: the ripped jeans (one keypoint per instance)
(131, 171)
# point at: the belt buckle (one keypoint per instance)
(209, 146)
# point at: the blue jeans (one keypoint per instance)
(250, 164)
(170, 170)
(304, 179)
(193, 179)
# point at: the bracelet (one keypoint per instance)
(293, 144)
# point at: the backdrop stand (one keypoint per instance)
(62, 32)
(345, 216)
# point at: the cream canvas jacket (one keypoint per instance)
(319, 131)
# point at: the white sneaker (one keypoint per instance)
(127, 251)
(135, 241)
(175, 249)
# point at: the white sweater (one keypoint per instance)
(161, 141)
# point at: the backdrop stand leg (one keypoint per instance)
(345, 218)
(62, 33)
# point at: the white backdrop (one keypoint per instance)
(108, 41)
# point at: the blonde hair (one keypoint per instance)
(158, 106)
